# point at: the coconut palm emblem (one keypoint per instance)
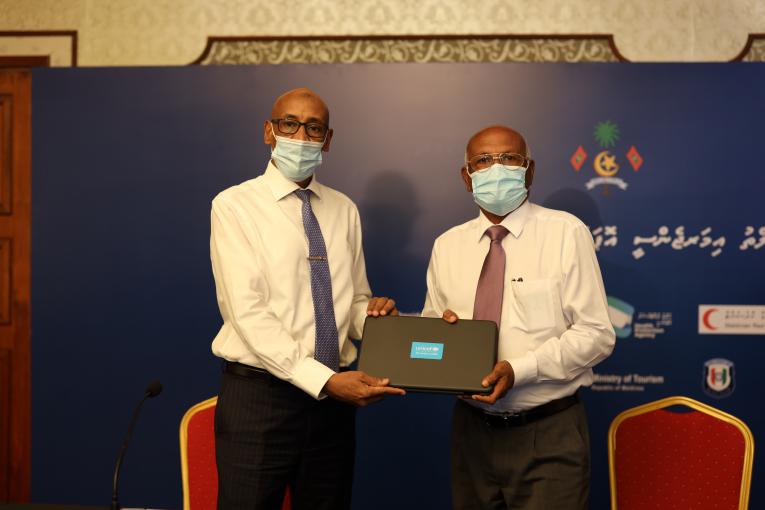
(606, 134)
(605, 164)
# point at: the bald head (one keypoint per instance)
(299, 101)
(304, 106)
(495, 139)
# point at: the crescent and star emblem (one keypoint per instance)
(605, 164)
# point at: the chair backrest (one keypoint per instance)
(658, 459)
(198, 471)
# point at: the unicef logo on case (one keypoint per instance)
(427, 350)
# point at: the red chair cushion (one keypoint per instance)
(665, 459)
(203, 475)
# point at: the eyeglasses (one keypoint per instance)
(315, 130)
(483, 161)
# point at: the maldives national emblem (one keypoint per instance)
(605, 163)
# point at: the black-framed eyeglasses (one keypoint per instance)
(483, 161)
(315, 130)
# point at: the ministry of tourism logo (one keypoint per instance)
(606, 163)
(621, 313)
(719, 377)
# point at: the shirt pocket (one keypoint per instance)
(534, 303)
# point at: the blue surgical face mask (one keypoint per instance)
(499, 189)
(296, 159)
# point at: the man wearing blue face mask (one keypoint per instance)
(533, 271)
(291, 284)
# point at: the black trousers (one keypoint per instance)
(270, 435)
(542, 465)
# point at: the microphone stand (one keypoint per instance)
(115, 483)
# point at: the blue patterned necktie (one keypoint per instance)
(327, 349)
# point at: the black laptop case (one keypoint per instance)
(427, 354)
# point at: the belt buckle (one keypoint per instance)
(508, 418)
(503, 419)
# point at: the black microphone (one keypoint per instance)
(152, 390)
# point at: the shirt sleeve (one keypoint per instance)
(242, 292)
(434, 306)
(590, 337)
(361, 290)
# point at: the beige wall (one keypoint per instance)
(174, 32)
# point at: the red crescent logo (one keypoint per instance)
(705, 318)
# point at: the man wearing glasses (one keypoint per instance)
(291, 285)
(533, 271)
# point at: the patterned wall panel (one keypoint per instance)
(147, 32)
(754, 51)
(392, 49)
(59, 46)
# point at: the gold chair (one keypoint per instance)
(662, 459)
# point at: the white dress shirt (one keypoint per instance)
(259, 254)
(555, 324)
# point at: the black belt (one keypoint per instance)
(242, 370)
(524, 417)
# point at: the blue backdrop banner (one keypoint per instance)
(662, 162)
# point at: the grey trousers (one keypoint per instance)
(543, 465)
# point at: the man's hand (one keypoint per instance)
(450, 317)
(381, 306)
(502, 377)
(358, 388)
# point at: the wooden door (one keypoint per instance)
(15, 198)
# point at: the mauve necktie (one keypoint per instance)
(491, 284)
(327, 350)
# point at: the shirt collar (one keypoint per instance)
(513, 222)
(281, 186)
